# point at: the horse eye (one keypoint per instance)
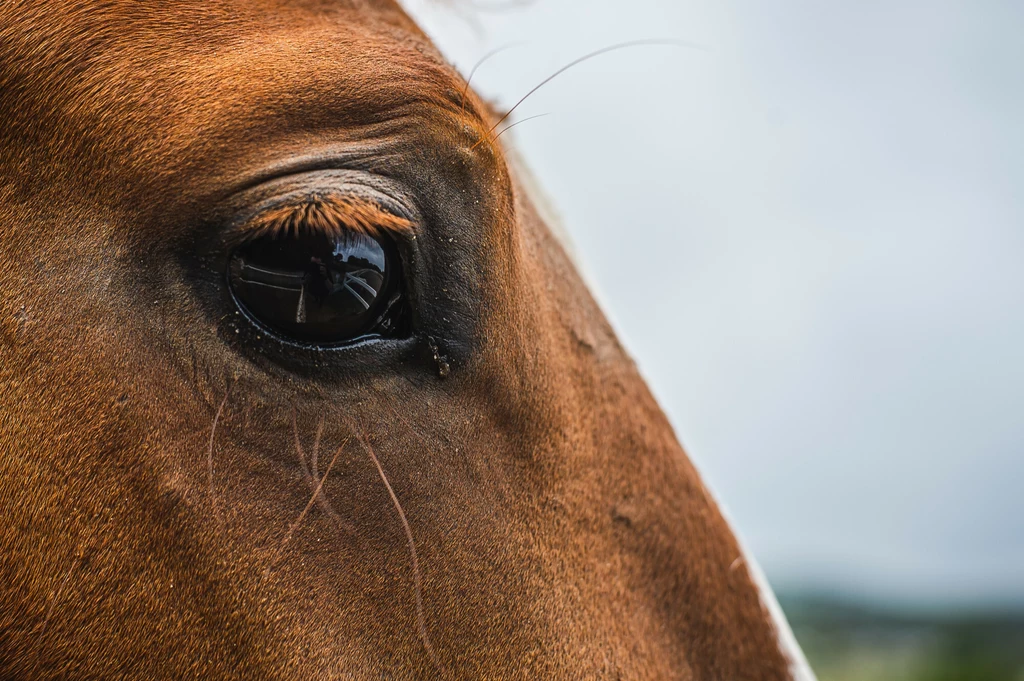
(320, 290)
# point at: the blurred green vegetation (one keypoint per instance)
(847, 642)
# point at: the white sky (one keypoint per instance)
(811, 237)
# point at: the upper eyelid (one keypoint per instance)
(327, 214)
(326, 201)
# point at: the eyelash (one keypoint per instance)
(328, 214)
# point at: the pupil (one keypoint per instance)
(316, 289)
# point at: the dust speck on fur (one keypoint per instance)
(444, 368)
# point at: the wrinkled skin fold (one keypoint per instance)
(184, 497)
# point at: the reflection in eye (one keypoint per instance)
(319, 289)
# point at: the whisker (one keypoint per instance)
(321, 500)
(305, 511)
(311, 470)
(520, 122)
(493, 53)
(315, 456)
(417, 580)
(444, 443)
(580, 60)
(209, 455)
(299, 452)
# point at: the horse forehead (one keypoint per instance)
(164, 86)
(78, 45)
(70, 16)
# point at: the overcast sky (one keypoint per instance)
(810, 235)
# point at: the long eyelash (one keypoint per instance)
(519, 122)
(330, 216)
(489, 137)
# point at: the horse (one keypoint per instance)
(297, 382)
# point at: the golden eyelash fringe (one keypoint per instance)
(330, 216)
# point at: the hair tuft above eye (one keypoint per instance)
(329, 216)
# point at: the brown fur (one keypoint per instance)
(156, 529)
(328, 215)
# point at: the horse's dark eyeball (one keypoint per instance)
(320, 290)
